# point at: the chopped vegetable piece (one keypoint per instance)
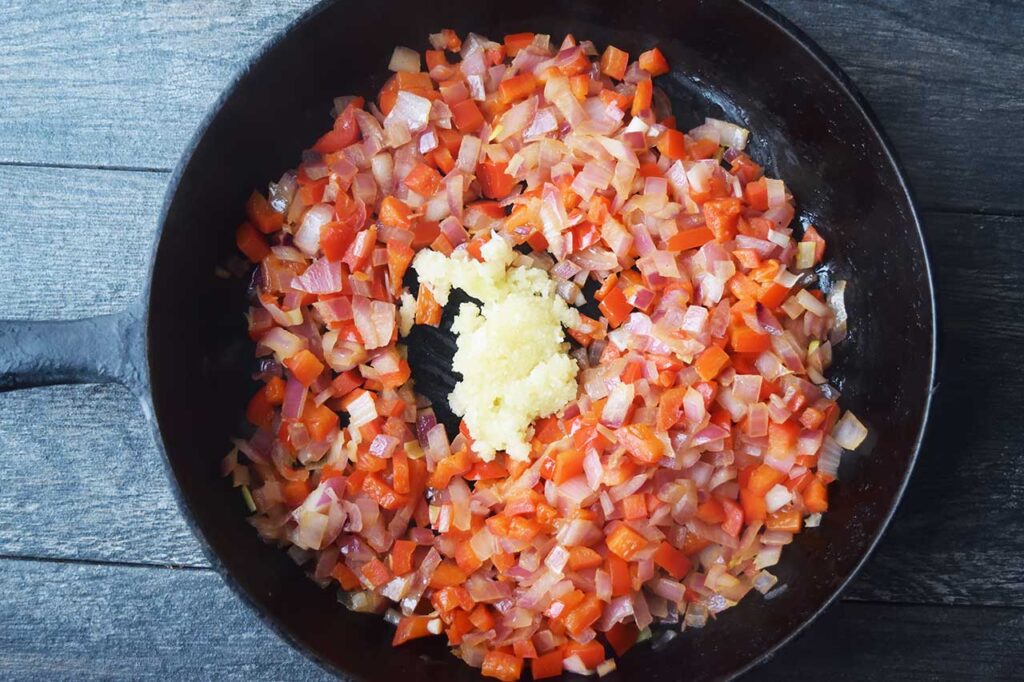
(711, 362)
(672, 560)
(412, 627)
(653, 62)
(625, 542)
(305, 367)
(547, 665)
(251, 243)
(502, 666)
(614, 62)
(622, 637)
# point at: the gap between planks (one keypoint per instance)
(104, 562)
(921, 207)
(100, 563)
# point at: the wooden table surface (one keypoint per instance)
(101, 578)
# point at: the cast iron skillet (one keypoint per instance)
(185, 352)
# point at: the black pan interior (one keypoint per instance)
(730, 60)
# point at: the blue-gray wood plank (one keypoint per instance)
(99, 575)
(125, 83)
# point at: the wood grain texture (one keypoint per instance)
(118, 622)
(956, 536)
(857, 642)
(121, 83)
(75, 243)
(68, 621)
(125, 84)
(88, 486)
(944, 78)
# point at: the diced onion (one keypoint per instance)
(308, 236)
(404, 59)
(729, 134)
(410, 111)
(849, 432)
(777, 498)
(837, 304)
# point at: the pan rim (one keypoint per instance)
(796, 36)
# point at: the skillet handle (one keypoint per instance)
(107, 348)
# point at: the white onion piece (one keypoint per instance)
(364, 188)
(746, 388)
(362, 410)
(711, 288)
(592, 468)
(811, 303)
(777, 537)
(777, 498)
(706, 132)
(282, 192)
(375, 321)
(578, 531)
(459, 492)
(428, 141)
(370, 128)
(544, 121)
(574, 664)
(310, 531)
(829, 456)
(294, 399)
(474, 62)
(768, 556)
(516, 119)
(805, 255)
(556, 559)
(763, 247)
(482, 543)
(849, 432)
(554, 219)
(437, 447)
(809, 442)
(410, 110)
(557, 91)
(641, 612)
(619, 401)
(693, 406)
(699, 174)
(778, 238)
(383, 169)
(322, 277)
(476, 87)
(595, 176)
(454, 187)
(404, 59)
(576, 490)
(283, 343)
(776, 193)
(308, 236)
(837, 304)
(729, 134)
(671, 590)
(469, 154)
(397, 134)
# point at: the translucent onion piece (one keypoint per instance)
(849, 432)
(404, 59)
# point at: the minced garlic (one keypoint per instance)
(406, 313)
(511, 352)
